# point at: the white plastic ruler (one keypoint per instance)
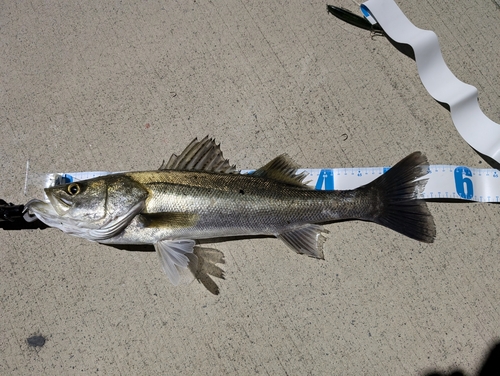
(444, 181)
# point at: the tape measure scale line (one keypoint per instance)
(443, 181)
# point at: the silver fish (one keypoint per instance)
(199, 195)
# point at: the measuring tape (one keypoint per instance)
(473, 125)
(444, 181)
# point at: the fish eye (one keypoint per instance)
(73, 189)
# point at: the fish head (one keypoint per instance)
(95, 209)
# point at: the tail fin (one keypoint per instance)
(400, 210)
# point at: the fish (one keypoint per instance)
(199, 195)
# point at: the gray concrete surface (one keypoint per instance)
(121, 85)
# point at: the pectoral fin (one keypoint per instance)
(308, 240)
(175, 256)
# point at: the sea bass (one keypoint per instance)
(199, 195)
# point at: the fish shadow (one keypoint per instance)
(21, 224)
(151, 248)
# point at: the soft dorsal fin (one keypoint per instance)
(284, 170)
(204, 155)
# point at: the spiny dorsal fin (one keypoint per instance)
(282, 169)
(204, 155)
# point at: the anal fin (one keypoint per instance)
(306, 240)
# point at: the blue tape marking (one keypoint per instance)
(365, 11)
(325, 179)
(63, 179)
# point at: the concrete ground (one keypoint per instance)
(122, 85)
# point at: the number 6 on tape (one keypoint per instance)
(463, 182)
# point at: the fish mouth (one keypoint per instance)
(45, 212)
(39, 209)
